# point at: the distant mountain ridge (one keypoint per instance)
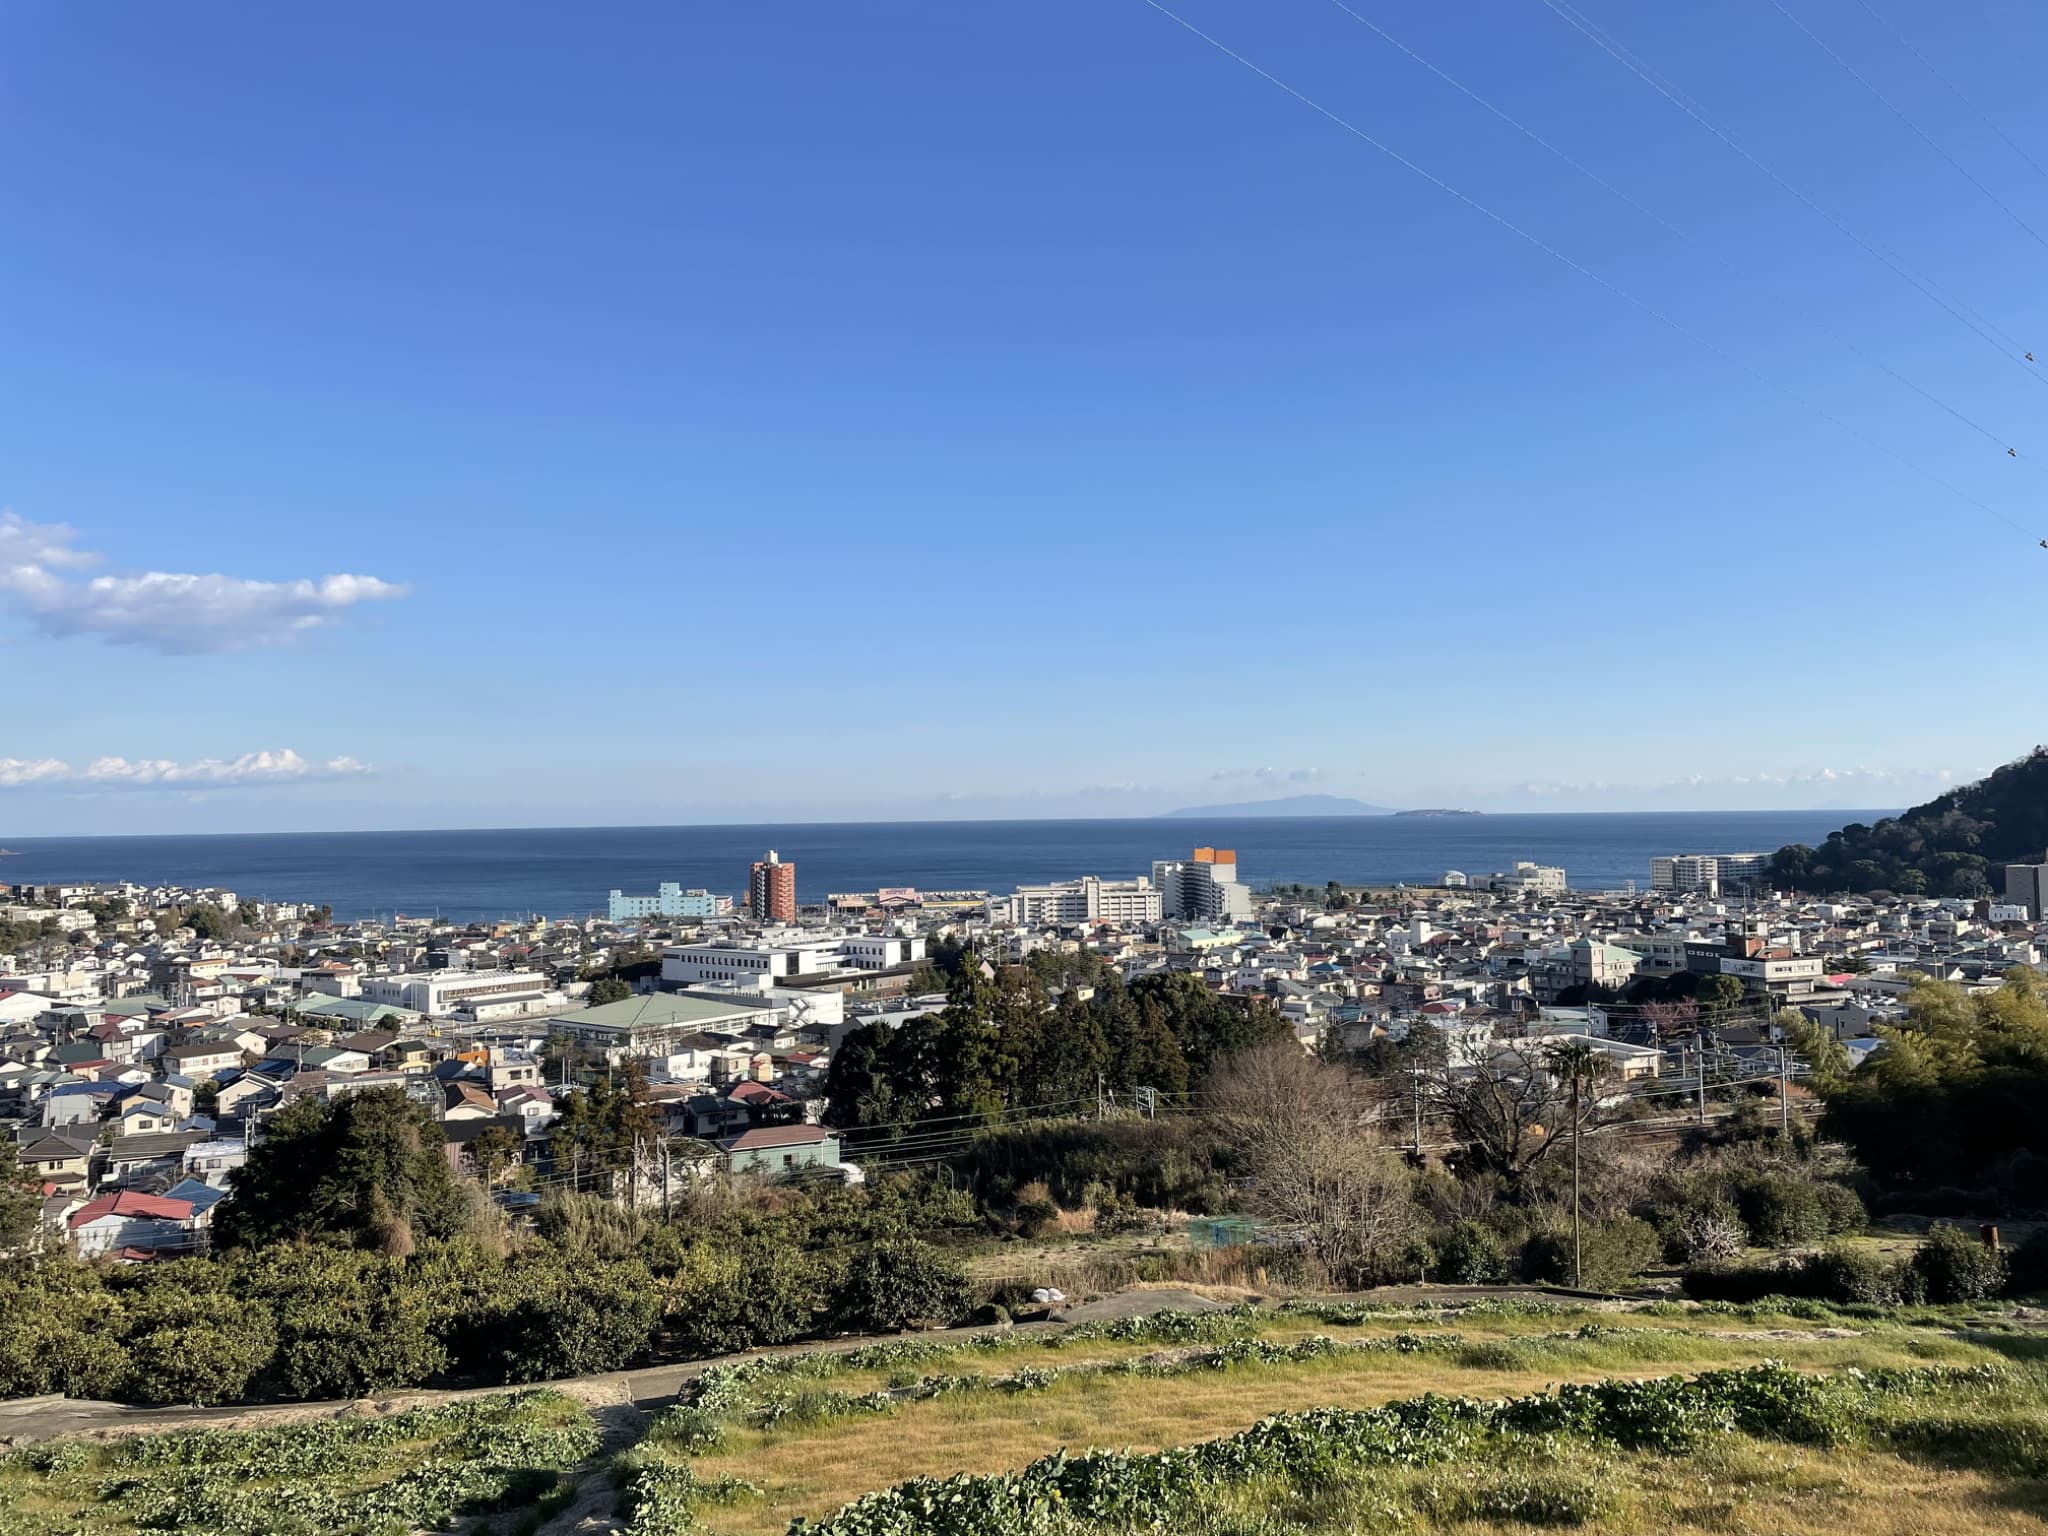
(1291, 805)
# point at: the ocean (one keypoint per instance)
(566, 871)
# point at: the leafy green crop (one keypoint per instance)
(1150, 1490)
(352, 1477)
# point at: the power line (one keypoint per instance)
(1584, 271)
(1667, 224)
(1957, 91)
(2000, 342)
(1896, 111)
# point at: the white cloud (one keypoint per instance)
(15, 770)
(285, 767)
(180, 614)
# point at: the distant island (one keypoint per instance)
(1292, 805)
(1436, 810)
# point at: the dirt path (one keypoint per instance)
(48, 1418)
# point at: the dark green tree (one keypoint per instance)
(20, 1202)
(368, 1167)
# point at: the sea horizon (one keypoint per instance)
(499, 872)
(1419, 813)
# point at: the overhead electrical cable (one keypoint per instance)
(1677, 230)
(1586, 272)
(1956, 90)
(1899, 112)
(1988, 332)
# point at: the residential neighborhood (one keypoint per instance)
(147, 1034)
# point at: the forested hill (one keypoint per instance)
(1951, 846)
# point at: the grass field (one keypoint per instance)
(1305, 1422)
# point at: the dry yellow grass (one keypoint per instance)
(812, 1471)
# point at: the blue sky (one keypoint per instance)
(909, 407)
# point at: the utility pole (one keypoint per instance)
(1702, 1082)
(1578, 1123)
(1416, 1074)
(1784, 1092)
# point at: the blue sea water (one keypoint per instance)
(566, 871)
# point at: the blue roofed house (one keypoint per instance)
(201, 1196)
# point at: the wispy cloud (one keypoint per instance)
(251, 768)
(1271, 775)
(41, 577)
(1916, 779)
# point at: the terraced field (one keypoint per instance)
(1301, 1422)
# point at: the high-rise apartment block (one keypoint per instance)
(2026, 885)
(771, 890)
(1204, 888)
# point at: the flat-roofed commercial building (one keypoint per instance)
(1089, 899)
(444, 992)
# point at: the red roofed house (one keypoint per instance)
(147, 1223)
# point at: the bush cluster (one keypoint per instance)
(301, 1321)
(1951, 1266)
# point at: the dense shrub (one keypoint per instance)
(1612, 1253)
(196, 1346)
(1781, 1209)
(1163, 1164)
(1955, 1266)
(898, 1283)
(1847, 1274)
(333, 1319)
(1843, 1208)
(1841, 1273)
(1469, 1253)
(721, 1301)
(574, 1319)
(1036, 1216)
(1743, 1283)
(2029, 1265)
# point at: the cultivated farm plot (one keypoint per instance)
(421, 1469)
(1307, 1421)
(1866, 1424)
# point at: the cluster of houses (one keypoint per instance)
(142, 1049)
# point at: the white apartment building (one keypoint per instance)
(1204, 888)
(1708, 874)
(1529, 879)
(438, 993)
(759, 964)
(1089, 899)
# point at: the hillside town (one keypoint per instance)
(148, 1033)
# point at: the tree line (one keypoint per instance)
(1004, 1044)
(1954, 845)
